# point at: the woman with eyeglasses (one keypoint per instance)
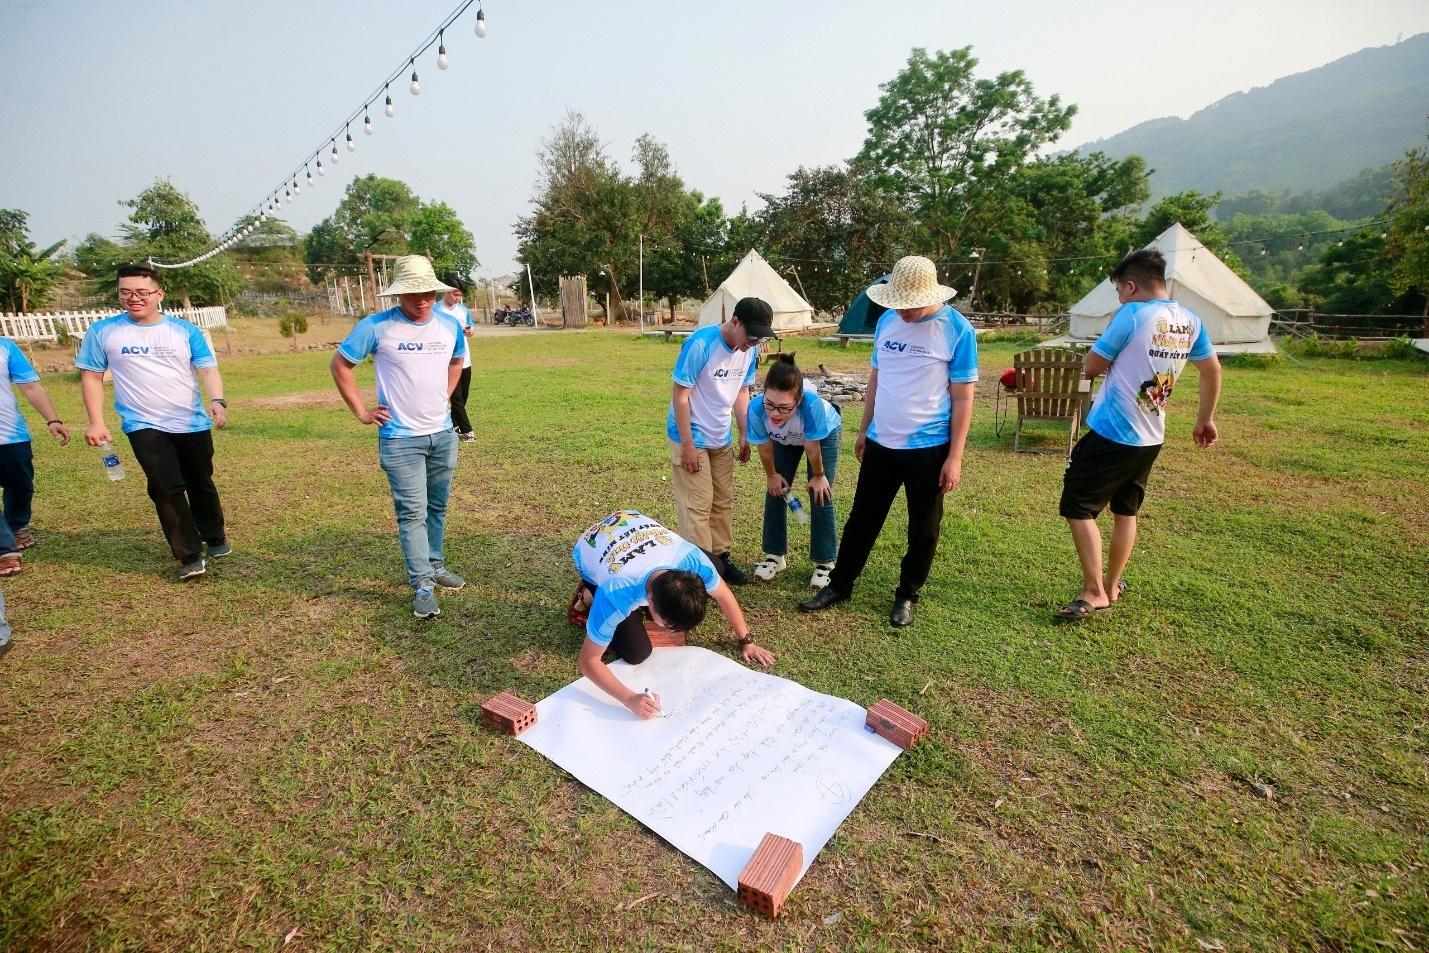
(787, 422)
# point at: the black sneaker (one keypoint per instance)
(192, 569)
(731, 573)
(5, 646)
(219, 550)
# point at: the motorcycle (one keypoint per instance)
(514, 317)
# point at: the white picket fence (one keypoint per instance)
(44, 326)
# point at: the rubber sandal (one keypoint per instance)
(575, 615)
(1077, 610)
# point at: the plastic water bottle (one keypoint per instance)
(796, 506)
(112, 467)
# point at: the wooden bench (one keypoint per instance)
(669, 333)
(843, 339)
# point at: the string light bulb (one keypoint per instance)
(296, 190)
(334, 152)
(321, 170)
(309, 176)
(441, 52)
(416, 86)
(1300, 247)
(480, 23)
(1262, 251)
(351, 146)
(367, 122)
(389, 109)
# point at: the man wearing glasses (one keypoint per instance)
(712, 377)
(153, 358)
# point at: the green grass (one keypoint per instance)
(282, 745)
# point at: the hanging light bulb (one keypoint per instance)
(351, 146)
(1340, 243)
(367, 122)
(389, 109)
(296, 190)
(1262, 251)
(1300, 247)
(310, 176)
(1384, 234)
(416, 86)
(441, 52)
(480, 23)
(334, 152)
(263, 215)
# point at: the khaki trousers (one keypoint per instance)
(705, 500)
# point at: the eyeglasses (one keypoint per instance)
(126, 295)
(779, 408)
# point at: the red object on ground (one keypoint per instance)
(896, 724)
(661, 637)
(1009, 378)
(765, 881)
(575, 615)
(509, 714)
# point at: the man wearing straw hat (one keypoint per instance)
(915, 422)
(417, 354)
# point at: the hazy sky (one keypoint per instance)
(224, 98)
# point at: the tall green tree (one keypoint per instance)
(28, 274)
(1356, 278)
(946, 142)
(436, 230)
(164, 225)
(839, 228)
(1408, 239)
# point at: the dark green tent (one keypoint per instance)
(862, 316)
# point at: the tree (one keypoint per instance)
(435, 230)
(164, 225)
(1356, 278)
(291, 325)
(1408, 232)
(28, 274)
(946, 142)
(677, 266)
(375, 215)
(840, 229)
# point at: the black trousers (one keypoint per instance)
(631, 642)
(463, 386)
(17, 477)
(883, 472)
(179, 467)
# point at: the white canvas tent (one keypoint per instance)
(1237, 319)
(753, 277)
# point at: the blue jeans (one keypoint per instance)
(420, 471)
(823, 534)
(4, 623)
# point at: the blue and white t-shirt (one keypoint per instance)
(15, 368)
(715, 374)
(153, 370)
(916, 361)
(617, 556)
(461, 314)
(1148, 343)
(813, 420)
(411, 361)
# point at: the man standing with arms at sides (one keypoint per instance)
(1142, 352)
(916, 414)
(712, 377)
(17, 460)
(417, 354)
(451, 305)
(153, 358)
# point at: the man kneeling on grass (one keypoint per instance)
(629, 562)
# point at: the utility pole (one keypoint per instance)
(705, 270)
(642, 282)
(977, 270)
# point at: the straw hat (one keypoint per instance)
(914, 285)
(413, 274)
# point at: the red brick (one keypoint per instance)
(765, 881)
(661, 637)
(897, 724)
(509, 713)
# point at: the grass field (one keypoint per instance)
(281, 747)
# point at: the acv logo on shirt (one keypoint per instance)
(133, 350)
(414, 346)
(722, 373)
(900, 347)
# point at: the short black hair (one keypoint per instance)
(451, 278)
(139, 271)
(1145, 267)
(784, 374)
(680, 599)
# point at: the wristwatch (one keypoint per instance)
(218, 400)
(747, 638)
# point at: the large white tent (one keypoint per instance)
(753, 277)
(1237, 319)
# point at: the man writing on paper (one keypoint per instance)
(628, 561)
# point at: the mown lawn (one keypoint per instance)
(282, 747)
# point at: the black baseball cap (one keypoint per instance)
(756, 316)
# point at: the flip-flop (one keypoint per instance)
(575, 615)
(1077, 610)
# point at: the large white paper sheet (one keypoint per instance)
(738, 754)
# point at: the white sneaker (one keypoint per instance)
(820, 578)
(769, 567)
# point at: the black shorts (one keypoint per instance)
(1102, 471)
